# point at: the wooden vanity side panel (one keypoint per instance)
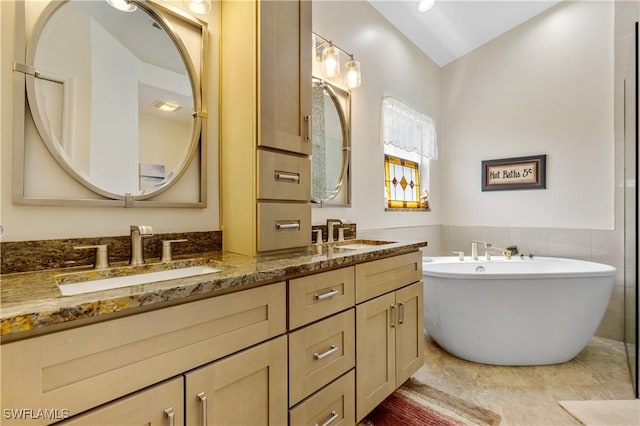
(305, 308)
(385, 275)
(81, 368)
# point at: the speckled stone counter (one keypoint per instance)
(31, 303)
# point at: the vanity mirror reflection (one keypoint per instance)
(331, 138)
(117, 99)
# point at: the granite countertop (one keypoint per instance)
(31, 303)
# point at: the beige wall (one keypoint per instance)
(545, 87)
(39, 222)
(391, 66)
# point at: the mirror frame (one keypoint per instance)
(24, 80)
(342, 100)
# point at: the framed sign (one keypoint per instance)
(514, 173)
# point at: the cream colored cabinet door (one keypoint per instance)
(375, 353)
(409, 333)
(160, 405)
(389, 342)
(285, 75)
(248, 388)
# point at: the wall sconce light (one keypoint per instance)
(201, 7)
(353, 73)
(123, 5)
(331, 60)
(329, 54)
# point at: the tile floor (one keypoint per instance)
(528, 396)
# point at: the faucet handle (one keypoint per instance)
(102, 255)
(460, 254)
(167, 255)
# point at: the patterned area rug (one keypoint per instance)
(416, 404)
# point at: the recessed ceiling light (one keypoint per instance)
(166, 106)
(426, 5)
(123, 5)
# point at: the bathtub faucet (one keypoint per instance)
(474, 249)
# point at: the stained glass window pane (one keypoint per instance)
(402, 182)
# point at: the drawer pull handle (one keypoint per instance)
(334, 415)
(318, 356)
(292, 225)
(326, 295)
(393, 316)
(401, 313)
(288, 177)
(307, 137)
(203, 407)
(170, 414)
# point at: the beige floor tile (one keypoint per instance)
(528, 396)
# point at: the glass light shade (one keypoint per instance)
(353, 73)
(426, 5)
(200, 7)
(331, 61)
(123, 5)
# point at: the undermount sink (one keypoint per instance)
(360, 244)
(126, 276)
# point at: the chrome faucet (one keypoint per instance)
(330, 225)
(138, 232)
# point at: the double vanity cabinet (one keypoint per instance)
(321, 348)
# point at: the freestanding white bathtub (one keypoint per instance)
(517, 311)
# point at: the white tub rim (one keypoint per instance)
(566, 268)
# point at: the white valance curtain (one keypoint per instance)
(409, 130)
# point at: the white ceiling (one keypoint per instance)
(454, 28)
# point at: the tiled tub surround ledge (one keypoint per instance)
(38, 255)
(31, 303)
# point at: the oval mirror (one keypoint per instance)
(331, 142)
(113, 96)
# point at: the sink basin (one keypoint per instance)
(98, 280)
(360, 244)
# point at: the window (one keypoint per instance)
(402, 182)
(409, 145)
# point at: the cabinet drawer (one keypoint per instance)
(283, 176)
(317, 296)
(283, 225)
(319, 353)
(385, 275)
(336, 402)
(152, 407)
(81, 368)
